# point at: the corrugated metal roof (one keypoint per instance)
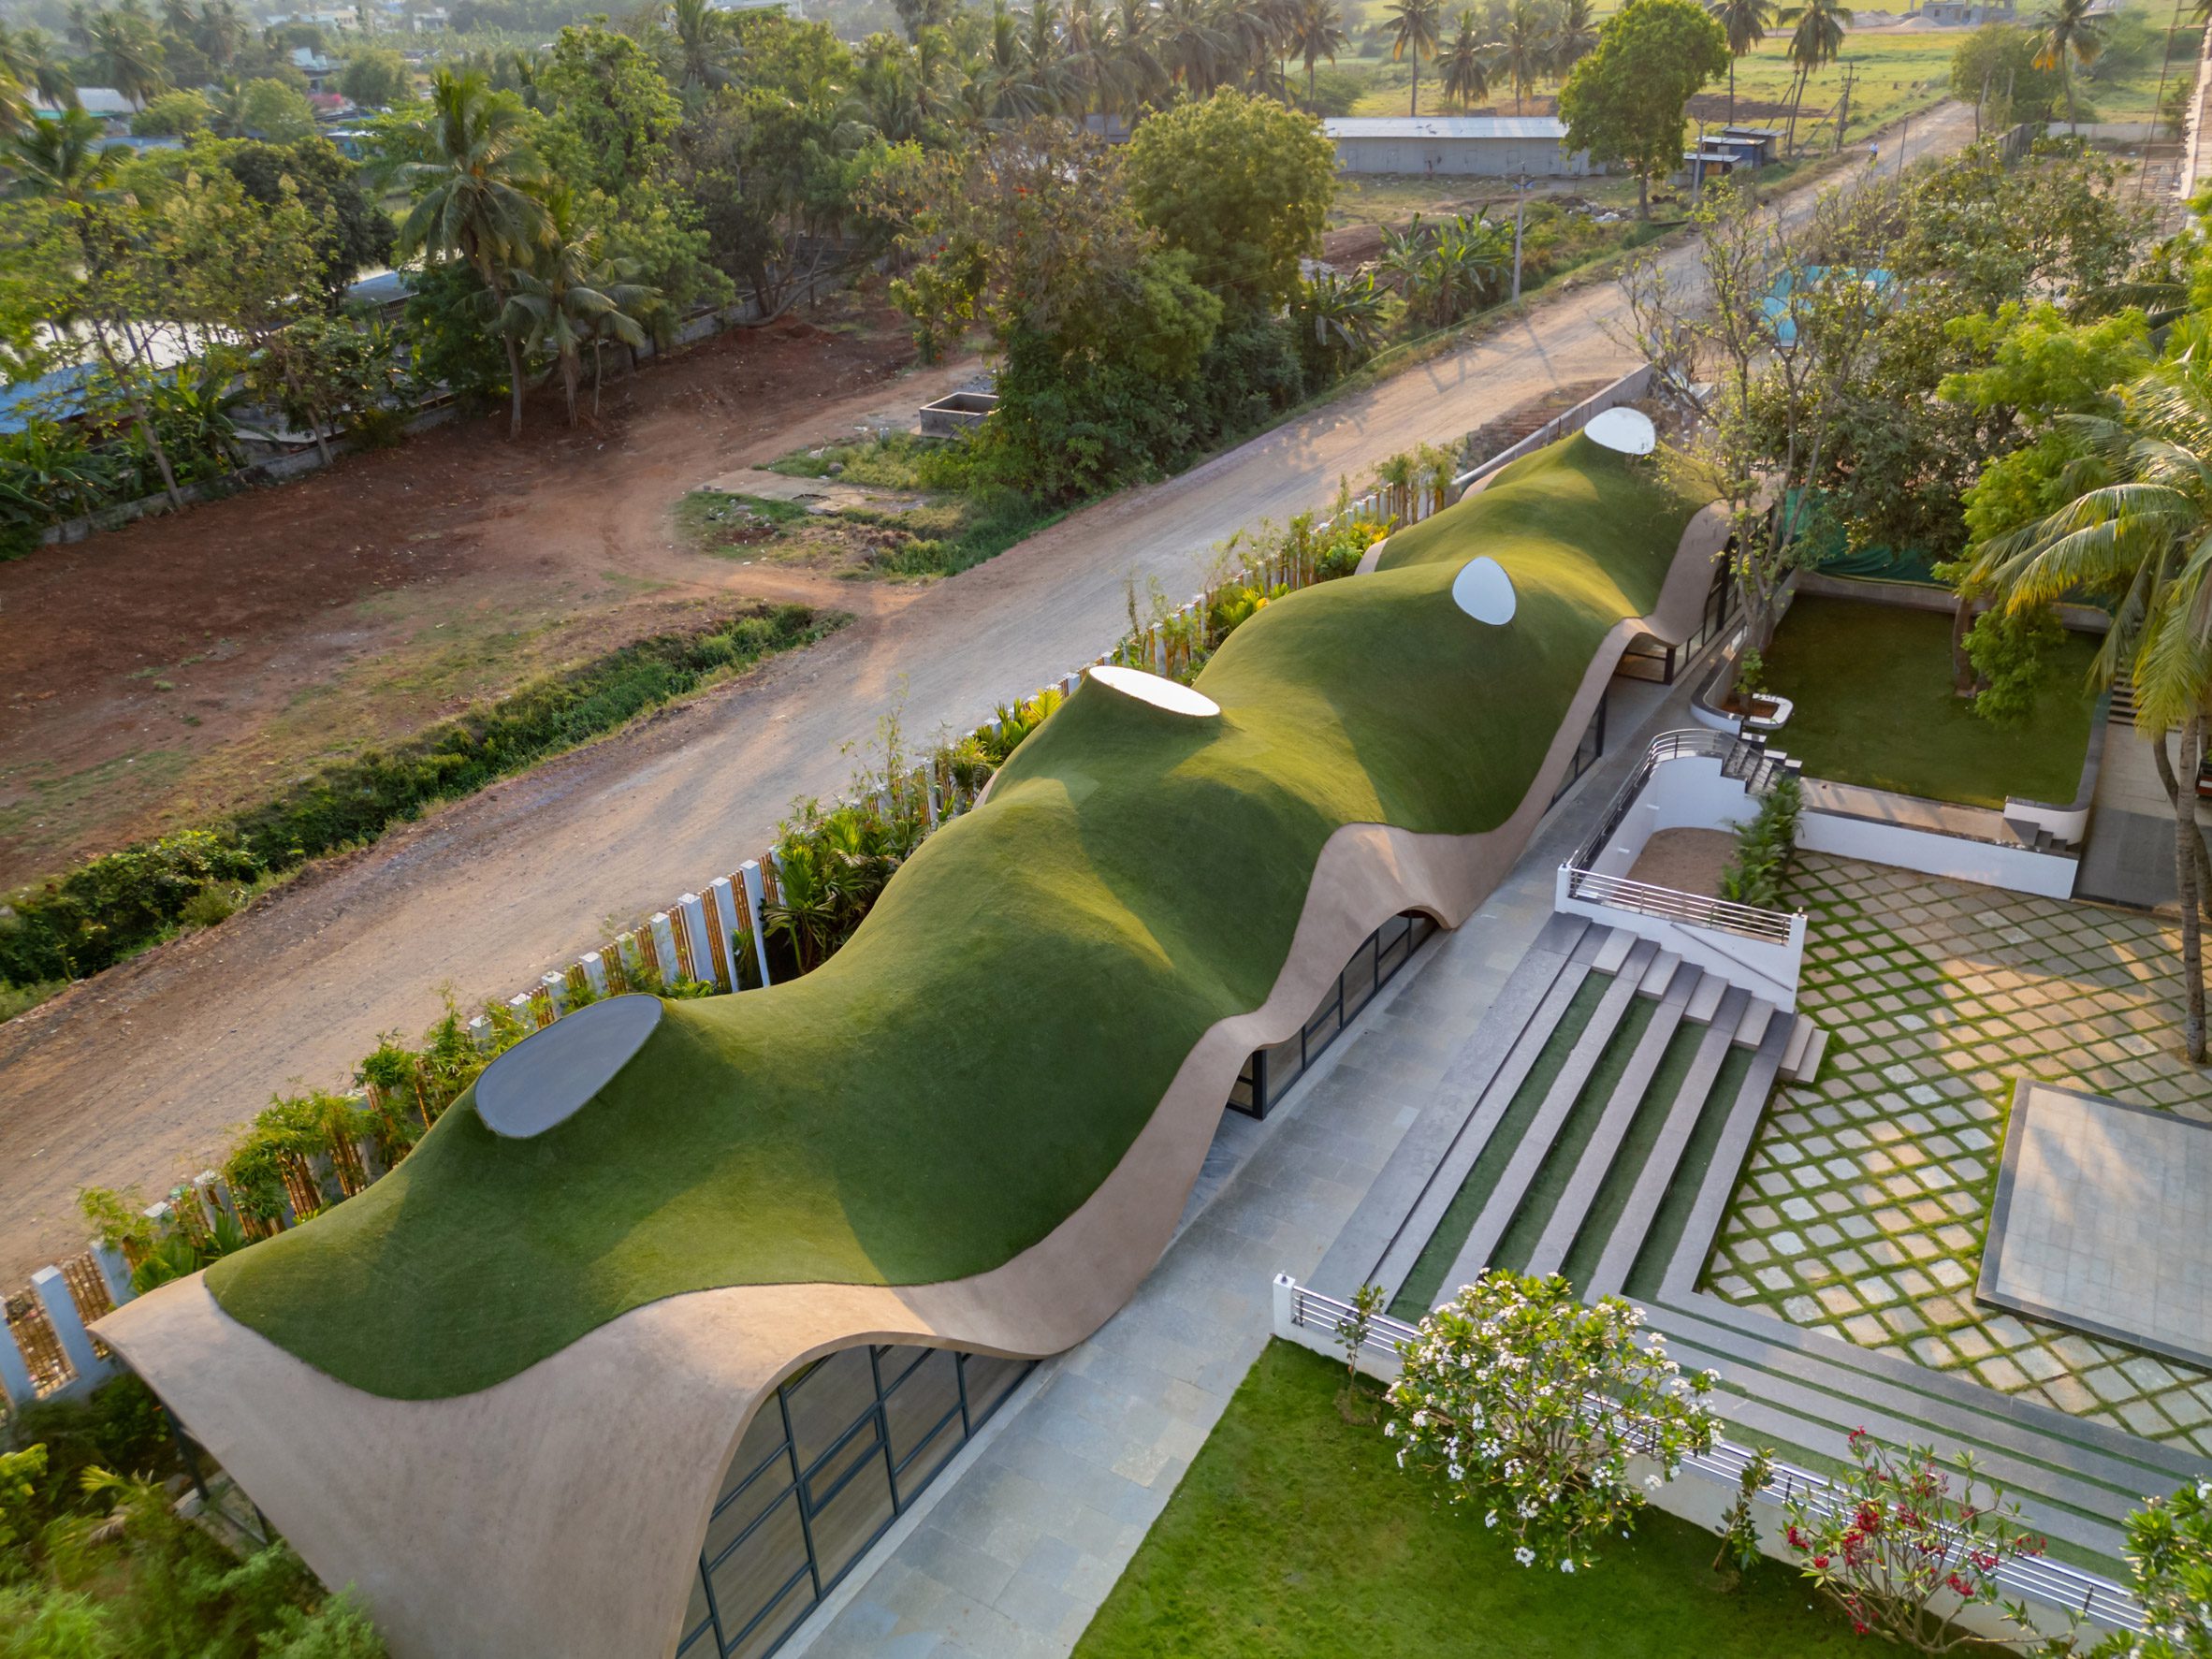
(1445, 127)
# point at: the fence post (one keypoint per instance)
(555, 985)
(15, 1376)
(1069, 683)
(725, 910)
(525, 1009)
(52, 1291)
(594, 967)
(750, 873)
(672, 964)
(480, 1033)
(691, 910)
(1286, 1305)
(115, 1270)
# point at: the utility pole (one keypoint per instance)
(1904, 132)
(2158, 103)
(1843, 107)
(1520, 217)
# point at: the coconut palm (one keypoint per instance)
(1574, 35)
(1135, 51)
(1413, 25)
(474, 194)
(1317, 32)
(1816, 38)
(1523, 50)
(1465, 62)
(127, 56)
(704, 44)
(567, 302)
(28, 58)
(1192, 47)
(1745, 23)
(222, 30)
(2141, 534)
(2070, 33)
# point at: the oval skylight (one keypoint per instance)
(545, 1077)
(1151, 689)
(1484, 591)
(1625, 432)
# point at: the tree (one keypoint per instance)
(1465, 62)
(1413, 25)
(173, 114)
(353, 233)
(275, 113)
(1243, 185)
(27, 59)
(472, 190)
(1520, 1401)
(2170, 1552)
(569, 302)
(1574, 35)
(1316, 32)
(1340, 318)
(1816, 36)
(1994, 69)
(1745, 23)
(704, 44)
(126, 54)
(1624, 103)
(376, 77)
(2070, 32)
(1523, 50)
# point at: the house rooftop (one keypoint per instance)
(1445, 127)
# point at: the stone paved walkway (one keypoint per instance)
(1864, 1200)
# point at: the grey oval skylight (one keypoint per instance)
(1150, 688)
(1484, 591)
(1626, 431)
(545, 1077)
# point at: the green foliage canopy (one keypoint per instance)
(1624, 102)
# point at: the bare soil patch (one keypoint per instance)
(165, 672)
(1686, 860)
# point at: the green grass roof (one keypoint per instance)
(975, 1060)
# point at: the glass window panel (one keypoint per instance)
(1391, 957)
(764, 1437)
(934, 1455)
(989, 1381)
(747, 1579)
(772, 1629)
(1359, 981)
(844, 1524)
(743, 1507)
(1322, 1027)
(1285, 1061)
(827, 1400)
(823, 1479)
(920, 1402)
(696, 1623)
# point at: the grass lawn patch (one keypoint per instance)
(1875, 707)
(908, 1113)
(1293, 1536)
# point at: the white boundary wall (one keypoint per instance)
(2018, 869)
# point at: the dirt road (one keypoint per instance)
(137, 1077)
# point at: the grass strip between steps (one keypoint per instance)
(1550, 1184)
(1666, 1236)
(1652, 1114)
(1419, 1293)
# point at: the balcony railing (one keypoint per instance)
(1619, 894)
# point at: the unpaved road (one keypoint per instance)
(137, 1076)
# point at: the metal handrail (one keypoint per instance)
(1697, 911)
(1697, 742)
(2052, 1582)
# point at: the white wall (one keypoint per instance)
(1488, 158)
(2018, 869)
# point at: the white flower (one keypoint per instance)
(1566, 1566)
(1653, 1481)
(1401, 1457)
(1490, 1519)
(1420, 1419)
(1454, 1471)
(1524, 1555)
(1390, 1430)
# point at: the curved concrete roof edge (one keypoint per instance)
(561, 1510)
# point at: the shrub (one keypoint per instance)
(2011, 653)
(1901, 1536)
(1522, 1401)
(1764, 848)
(2170, 1548)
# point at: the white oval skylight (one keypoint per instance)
(1626, 431)
(1484, 591)
(1150, 688)
(545, 1077)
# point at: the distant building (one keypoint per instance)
(110, 106)
(1967, 14)
(1480, 146)
(321, 72)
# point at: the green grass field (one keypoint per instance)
(933, 1100)
(1872, 688)
(1293, 1536)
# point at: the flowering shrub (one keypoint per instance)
(2169, 1547)
(1901, 1534)
(1740, 1526)
(1529, 1405)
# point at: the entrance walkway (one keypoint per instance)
(1021, 1544)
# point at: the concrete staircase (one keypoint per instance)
(1597, 1127)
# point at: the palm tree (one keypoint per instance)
(1815, 40)
(1413, 30)
(1345, 312)
(1574, 35)
(28, 58)
(1524, 52)
(2139, 533)
(1317, 32)
(704, 43)
(1138, 71)
(1745, 23)
(562, 306)
(1045, 54)
(222, 32)
(474, 196)
(68, 161)
(2069, 33)
(1192, 46)
(1466, 64)
(1010, 93)
(127, 56)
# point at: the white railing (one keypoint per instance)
(1316, 1321)
(1723, 915)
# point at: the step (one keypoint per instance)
(1426, 1169)
(1807, 1064)
(2113, 1456)
(1658, 1173)
(1752, 1030)
(1659, 975)
(1793, 1056)
(1613, 951)
(1528, 1157)
(1719, 1184)
(1705, 1005)
(1589, 1175)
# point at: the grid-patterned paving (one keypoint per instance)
(1865, 1199)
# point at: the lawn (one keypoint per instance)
(840, 1126)
(1293, 1536)
(1872, 688)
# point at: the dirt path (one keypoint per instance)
(137, 1076)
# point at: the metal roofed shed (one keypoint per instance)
(1479, 146)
